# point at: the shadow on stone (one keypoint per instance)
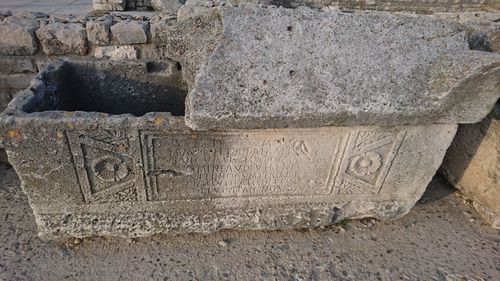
(465, 145)
(437, 189)
(117, 89)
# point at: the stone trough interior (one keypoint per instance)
(113, 89)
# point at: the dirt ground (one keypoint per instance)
(441, 239)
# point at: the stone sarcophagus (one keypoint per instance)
(102, 152)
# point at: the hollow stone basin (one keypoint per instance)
(93, 173)
(106, 150)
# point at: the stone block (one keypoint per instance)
(130, 32)
(17, 81)
(17, 38)
(147, 173)
(116, 52)
(98, 32)
(105, 6)
(16, 64)
(472, 165)
(160, 30)
(61, 39)
(302, 68)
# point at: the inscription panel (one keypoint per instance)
(237, 165)
(183, 166)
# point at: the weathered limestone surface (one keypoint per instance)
(98, 32)
(109, 5)
(167, 6)
(136, 176)
(130, 32)
(15, 81)
(16, 64)
(472, 164)
(60, 38)
(116, 52)
(483, 30)
(303, 68)
(17, 34)
(97, 157)
(422, 6)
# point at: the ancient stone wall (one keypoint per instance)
(28, 41)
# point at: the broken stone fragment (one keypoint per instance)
(130, 32)
(17, 34)
(472, 165)
(115, 52)
(98, 32)
(61, 38)
(192, 40)
(303, 68)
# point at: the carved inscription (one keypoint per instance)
(198, 166)
(237, 165)
(104, 166)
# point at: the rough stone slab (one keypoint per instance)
(115, 52)
(108, 7)
(61, 38)
(472, 165)
(300, 68)
(130, 32)
(17, 81)
(16, 64)
(6, 96)
(290, 178)
(160, 30)
(98, 32)
(17, 39)
(166, 6)
(483, 29)
(120, 175)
